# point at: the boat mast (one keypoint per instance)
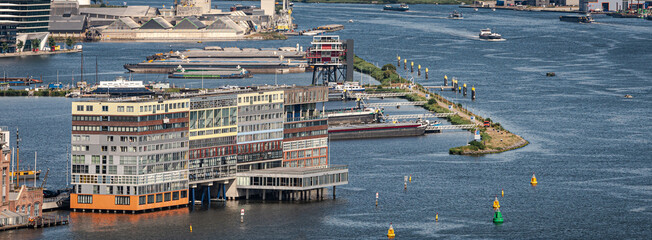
(35, 168)
(17, 159)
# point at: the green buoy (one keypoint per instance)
(498, 217)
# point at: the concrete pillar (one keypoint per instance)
(280, 195)
(317, 190)
(309, 193)
(247, 194)
(322, 193)
(264, 194)
(333, 192)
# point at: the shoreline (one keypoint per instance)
(39, 53)
(492, 137)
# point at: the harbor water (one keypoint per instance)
(589, 146)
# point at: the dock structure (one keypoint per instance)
(438, 87)
(421, 116)
(288, 183)
(376, 95)
(450, 127)
(391, 104)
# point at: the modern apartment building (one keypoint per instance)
(129, 154)
(136, 154)
(20, 19)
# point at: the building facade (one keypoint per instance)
(136, 154)
(21, 17)
(129, 155)
(305, 141)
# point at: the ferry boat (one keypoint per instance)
(402, 8)
(122, 87)
(25, 174)
(576, 18)
(455, 15)
(488, 35)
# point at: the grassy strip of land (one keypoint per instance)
(385, 75)
(41, 93)
(495, 138)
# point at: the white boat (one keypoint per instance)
(486, 34)
(348, 86)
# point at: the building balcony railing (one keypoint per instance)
(307, 118)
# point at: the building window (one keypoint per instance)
(122, 200)
(159, 198)
(121, 108)
(105, 108)
(175, 196)
(142, 200)
(89, 108)
(130, 109)
(168, 197)
(85, 199)
(184, 194)
(80, 108)
(150, 199)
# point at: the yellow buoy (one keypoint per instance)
(502, 192)
(437, 217)
(190, 228)
(496, 204)
(410, 178)
(445, 77)
(390, 231)
(399, 58)
(533, 181)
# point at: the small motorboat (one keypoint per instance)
(402, 8)
(455, 15)
(629, 96)
(486, 34)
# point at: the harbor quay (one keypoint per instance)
(143, 153)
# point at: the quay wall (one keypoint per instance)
(170, 35)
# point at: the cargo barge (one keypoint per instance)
(211, 74)
(13, 81)
(380, 130)
(579, 19)
(233, 52)
(253, 65)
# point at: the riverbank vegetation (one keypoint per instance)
(385, 75)
(41, 93)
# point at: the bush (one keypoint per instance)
(478, 145)
(432, 101)
(390, 67)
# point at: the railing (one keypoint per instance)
(298, 119)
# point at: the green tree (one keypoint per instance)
(70, 42)
(389, 67)
(51, 42)
(19, 45)
(36, 43)
(5, 47)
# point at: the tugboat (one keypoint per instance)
(574, 18)
(486, 34)
(402, 8)
(455, 15)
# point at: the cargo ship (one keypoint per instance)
(379, 130)
(122, 87)
(401, 8)
(575, 18)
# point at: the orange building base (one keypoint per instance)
(108, 202)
